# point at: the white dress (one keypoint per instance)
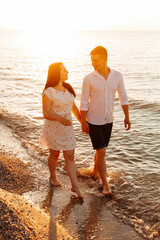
(56, 136)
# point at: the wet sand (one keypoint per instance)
(20, 219)
(32, 209)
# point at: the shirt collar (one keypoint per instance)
(95, 73)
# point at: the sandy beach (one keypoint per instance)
(20, 219)
(32, 209)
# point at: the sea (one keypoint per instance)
(132, 157)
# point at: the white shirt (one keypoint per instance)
(98, 96)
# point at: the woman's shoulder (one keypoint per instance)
(50, 89)
(54, 92)
(50, 92)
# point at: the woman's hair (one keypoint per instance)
(53, 78)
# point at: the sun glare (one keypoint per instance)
(55, 45)
(48, 22)
(38, 15)
(52, 22)
(62, 15)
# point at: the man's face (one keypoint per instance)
(98, 62)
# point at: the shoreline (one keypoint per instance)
(58, 214)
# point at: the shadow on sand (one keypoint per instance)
(81, 218)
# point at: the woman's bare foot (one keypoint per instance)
(77, 192)
(55, 182)
(106, 190)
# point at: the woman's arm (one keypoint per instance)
(50, 114)
(76, 112)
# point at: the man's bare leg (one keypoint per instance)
(52, 163)
(95, 169)
(101, 165)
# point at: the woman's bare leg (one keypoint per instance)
(52, 163)
(71, 170)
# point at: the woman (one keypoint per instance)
(58, 134)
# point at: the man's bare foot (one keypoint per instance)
(95, 174)
(77, 192)
(55, 182)
(106, 190)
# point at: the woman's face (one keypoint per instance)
(63, 73)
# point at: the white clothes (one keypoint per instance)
(56, 136)
(98, 96)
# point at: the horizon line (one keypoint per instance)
(95, 30)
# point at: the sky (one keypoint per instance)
(77, 15)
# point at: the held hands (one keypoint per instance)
(85, 127)
(127, 124)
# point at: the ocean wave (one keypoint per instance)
(140, 104)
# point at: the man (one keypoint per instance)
(97, 104)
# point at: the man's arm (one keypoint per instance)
(127, 122)
(84, 124)
(124, 102)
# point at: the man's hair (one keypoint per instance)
(99, 50)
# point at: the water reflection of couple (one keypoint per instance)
(95, 116)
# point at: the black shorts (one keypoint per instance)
(100, 135)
